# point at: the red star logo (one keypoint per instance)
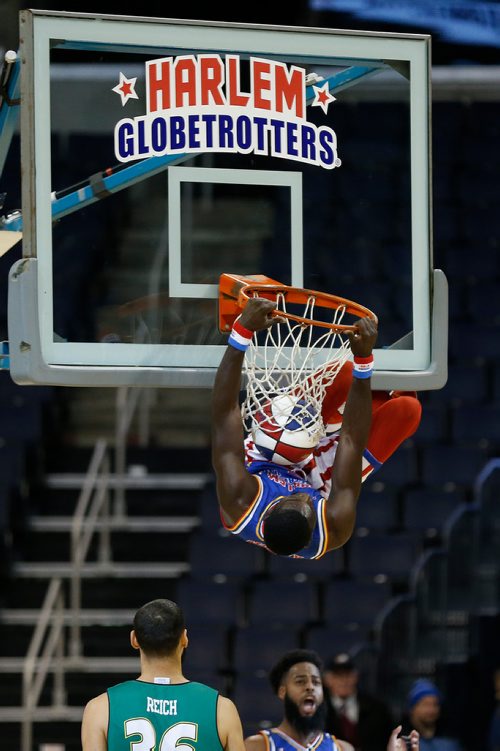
(126, 89)
(322, 97)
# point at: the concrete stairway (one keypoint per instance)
(150, 552)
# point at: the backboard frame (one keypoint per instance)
(34, 359)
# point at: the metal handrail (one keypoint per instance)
(484, 474)
(49, 633)
(93, 503)
(128, 400)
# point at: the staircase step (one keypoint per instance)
(167, 524)
(136, 479)
(126, 545)
(161, 503)
(76, 459)
(97, 592)
(145, 493)
(155, 459)
(112, 665)
(86, 616)
(164, 504)
(58, 727)
(185, 435)
(92, 414)
(105, 638)
(64, 570)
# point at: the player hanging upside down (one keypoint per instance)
(310, 508)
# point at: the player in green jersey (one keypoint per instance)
(161, 709)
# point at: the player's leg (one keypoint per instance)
(332, 408)
(395, 418)
(336, 393)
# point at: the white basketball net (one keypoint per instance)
(293, 360)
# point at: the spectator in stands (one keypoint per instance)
(296, 680)
(161, 707)
(494, 727)
(425, 713)
(353, 714)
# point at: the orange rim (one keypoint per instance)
(301, 295)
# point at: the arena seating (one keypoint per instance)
(232, 589)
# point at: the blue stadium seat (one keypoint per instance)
(476, 188)
(210, 602)
(5, 503)
(330, 640)
(400, 468)
(256, 648)
(214, 678)
(375, 186)
(375, 555)
(395, 264)
(352, 602)
(377, 509)
(456, 298)
(11, 392)
(207, 649)
(387, 151)
(402, 299)
(225, 558)
(478, 225)
(426, 509)
(467, 259)
(434, 423)
(448, 118)
(446, 225)
(258, 705)
(466, 384)
(12, 462)
(451, 464)
(476, 424)
(283, 602)
(21, 422)
(383, 229)
(374, 295)
(208, 509)
(482, 301)
(388, 120)
(496, 382)
(329, 565)
(481, 123)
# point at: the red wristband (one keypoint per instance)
(242, 331)
(363, 360)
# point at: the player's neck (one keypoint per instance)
(302, 738)
(161, 668)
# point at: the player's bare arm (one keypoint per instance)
(236, 488)
(255, 743)
(229, 725)
(344, 745)
(347, 468)
(95, 724)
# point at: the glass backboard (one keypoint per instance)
(159, 153)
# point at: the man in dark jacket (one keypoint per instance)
(356, 716)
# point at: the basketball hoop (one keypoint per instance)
(300, 357)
